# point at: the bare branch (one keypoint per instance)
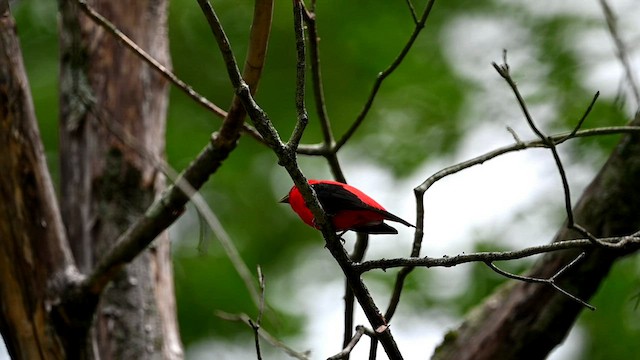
(260, 31)
(204, 210)
(513, 133)
(504, 71)
(384, 74)
(421, 189)
(333, 244)
(170, 76)
(288, 160)
(265, 335)
(154, 64)
(582, 119)
(316, 76)
(327, 148)
(359, 251)
(623, 244)
(621, 49)
(412, 9)
(344, 354)
(256, 325)
(303, 118)
(550, 281)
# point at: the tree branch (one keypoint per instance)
(504, 71)
(301, 68)
(384, 74)
(286, 158)
(609, 208)
(351, 344)
(621, 245)
(621, 50)
(134, 48)
(550, 281)
(164, 211)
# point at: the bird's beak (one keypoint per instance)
(285, 199)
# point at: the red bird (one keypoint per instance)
(347, 207)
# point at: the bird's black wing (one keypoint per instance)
(335, 198)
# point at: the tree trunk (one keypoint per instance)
(112, 114)
(34, 257)
(525, 320)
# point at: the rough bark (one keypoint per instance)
(34, 255)
(525, 320)
(112, 114)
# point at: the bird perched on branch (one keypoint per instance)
(347, 207)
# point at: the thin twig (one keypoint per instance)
(303, 118)
(223, 43)
(621, 49)
(359, 251)
(398, 286)
(344, 354)
(550, 281)
(582, 119)
(384, 74)
(256, 325)
(327, 148)
(262, 294)
(260, 30)
(569, 265)
(157, 66)
(316, 77)
(170, 76)
(412, 9)
(265, 335)
(505, 73)
(514, 134)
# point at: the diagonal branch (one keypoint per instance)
(286, 158)
(165, 210)
(154, 64)
(384, 74)
(199, 202)
(621, 50)
(351, 344)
